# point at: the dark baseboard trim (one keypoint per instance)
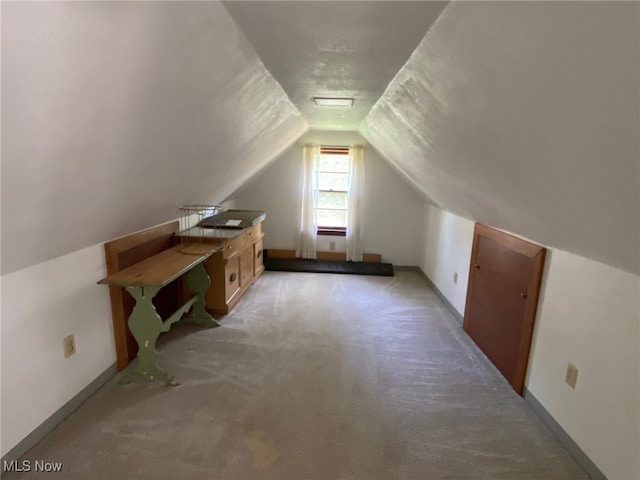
(440, 295)
(57, 417)
(567, 442)
(327, 266)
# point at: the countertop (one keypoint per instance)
(249, 218)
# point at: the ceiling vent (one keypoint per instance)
(333, 101)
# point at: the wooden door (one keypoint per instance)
(502, 298)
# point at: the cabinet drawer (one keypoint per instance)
(234, 246)
(254, 233)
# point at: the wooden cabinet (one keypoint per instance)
(238, 264)
(234, 269)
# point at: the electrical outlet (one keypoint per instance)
(332, 246)
(572, 375)
(69, 346)
(455, 278)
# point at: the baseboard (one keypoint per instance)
(457, 315)
(567, 442)
(57, 417)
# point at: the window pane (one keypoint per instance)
(334, 163)
(332, 200)
(332, 218)
(333, 178)
(333, 181)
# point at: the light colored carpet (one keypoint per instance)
(314, 376)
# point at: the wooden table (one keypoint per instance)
(143, 280)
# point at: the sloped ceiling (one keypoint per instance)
(334, 49)
(115, 113)
(525, 116)
(521, 115)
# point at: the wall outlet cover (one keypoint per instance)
(69, 346)
(571, 376)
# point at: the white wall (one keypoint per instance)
(589, 315)
(447, 241)
(392, 212)
(41, 305)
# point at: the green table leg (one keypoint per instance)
(146, 325)
(198, 281)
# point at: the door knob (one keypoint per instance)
(476, 266)
(523, 295)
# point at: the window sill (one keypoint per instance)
(332, 232)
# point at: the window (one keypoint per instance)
(333, 185)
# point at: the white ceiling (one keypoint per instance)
(334, 49)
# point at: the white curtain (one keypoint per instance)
(308, 226)
(355, 202)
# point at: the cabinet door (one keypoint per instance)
(232, 278)
(258, 265)
(246, 266)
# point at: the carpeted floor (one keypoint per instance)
(314, 377)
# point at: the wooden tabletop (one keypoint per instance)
(163, 268)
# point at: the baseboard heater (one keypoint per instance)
(326, 266)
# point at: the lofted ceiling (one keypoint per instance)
(521, 115)
(334, 49)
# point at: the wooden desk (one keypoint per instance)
(143, 280)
